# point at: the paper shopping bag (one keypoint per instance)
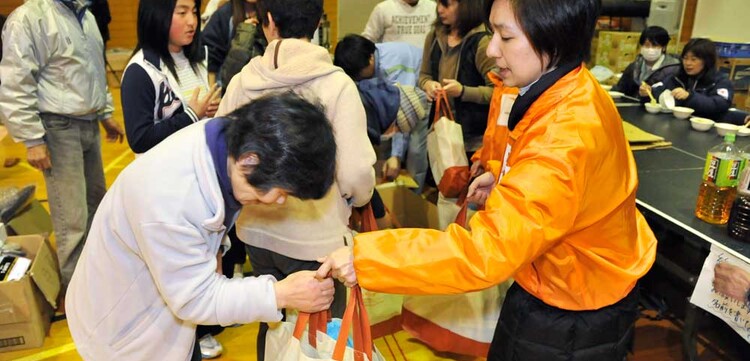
(445, 141)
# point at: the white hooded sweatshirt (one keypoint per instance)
(307, 230)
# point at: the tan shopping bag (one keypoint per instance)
(445, 141)
(306, 339)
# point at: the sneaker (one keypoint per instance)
(210, 348)
(238, 272)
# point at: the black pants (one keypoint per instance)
(266, 262)
(529, 329)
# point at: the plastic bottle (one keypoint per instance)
(720, 177)
(739, 216)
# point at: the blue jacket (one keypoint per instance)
(710, 93)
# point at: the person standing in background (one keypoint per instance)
(163, 90)
(396, 64)
(407, 21)
(290, 237)
(165, 84)
(54, 95)
(233, 37)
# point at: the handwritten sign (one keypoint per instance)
(734, 313)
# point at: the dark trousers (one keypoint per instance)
(266, 262)
(529, 329)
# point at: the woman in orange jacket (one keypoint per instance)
(560, 214)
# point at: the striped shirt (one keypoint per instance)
(188, 79)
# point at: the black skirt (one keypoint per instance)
(529, 329)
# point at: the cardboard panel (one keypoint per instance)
(34, 219)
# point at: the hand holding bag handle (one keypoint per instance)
(442, 106)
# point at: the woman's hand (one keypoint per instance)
(453, 88)
(207, 105)
(340, 265)
(430, 87)
(680, 93)
(480, 188)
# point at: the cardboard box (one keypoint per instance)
(26, 305)
(410, 209)
(33, 219)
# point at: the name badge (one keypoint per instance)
(506, 104)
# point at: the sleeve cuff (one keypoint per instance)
(472, 95)
(191, 113)
(33, 142)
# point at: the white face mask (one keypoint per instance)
(651, 54)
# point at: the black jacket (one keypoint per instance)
(471, 116)
(710, 92)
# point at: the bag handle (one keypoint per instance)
(318, 321)
(464, 203)
(442, 106)
(361, 323)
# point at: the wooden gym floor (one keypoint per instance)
(655, 340)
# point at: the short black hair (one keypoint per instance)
(353, 54)
(470, 15)
(293, 140)
(154, 21)
(656, 35)
(295, 19)
(704, 49)
(561, 29)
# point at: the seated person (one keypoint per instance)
(379, 67)
(651, 66)
(700, 86)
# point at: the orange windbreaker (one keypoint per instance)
(493, 141)
(562, 220)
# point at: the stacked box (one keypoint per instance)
(617, 49)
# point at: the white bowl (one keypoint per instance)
(682, 112)
(666, 100)
(701, 124)
(652, 108)
(606, 87)
(615, 94)
(664, 110)
(725, 128)
(743, 131)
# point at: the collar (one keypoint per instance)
(524, 102)
(78, 7)
(217, 145)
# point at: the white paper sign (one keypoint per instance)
(731, 311)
